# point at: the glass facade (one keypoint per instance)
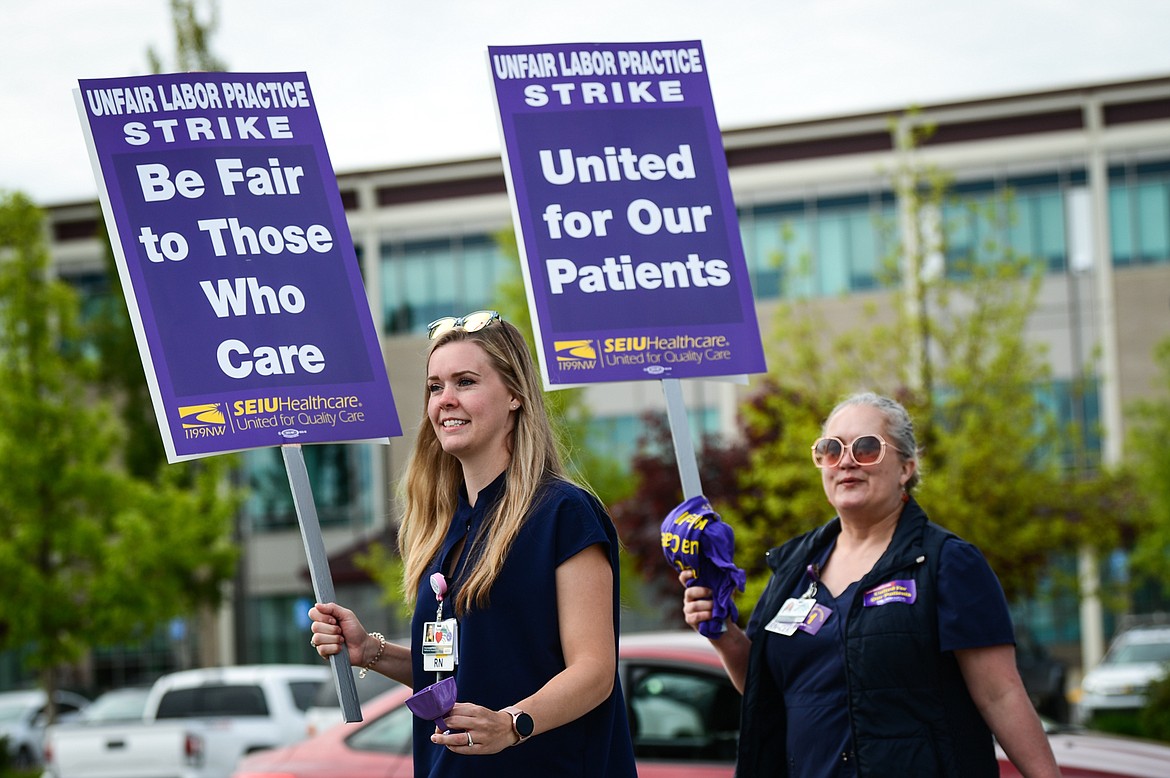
(277, 626)
(341, 476)
(424, 280)
(817, 247)
(1139, 213)
(618, 435)
(833, 246)
(277, 630)
(1075, 406)
(1022, 217)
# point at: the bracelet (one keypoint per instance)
(377, 656)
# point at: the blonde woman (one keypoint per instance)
(529, 564)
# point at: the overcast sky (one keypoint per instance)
(400, 83)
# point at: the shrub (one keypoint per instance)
(1155, 716)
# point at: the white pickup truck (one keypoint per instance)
(194, 724)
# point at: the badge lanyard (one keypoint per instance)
(802, 613)
(440, 643)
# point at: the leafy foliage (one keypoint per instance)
(1154, 717)
(1150, 461)
(639, 516)
(947, 339)
(93, 555)
(192, 38)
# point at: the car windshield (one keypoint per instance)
(124, 705)
(213, 700)
(1137, 653)
(370, 687)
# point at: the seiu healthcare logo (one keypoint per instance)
(575, 354)
(205, 420)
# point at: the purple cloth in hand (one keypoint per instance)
(695, 538)
(434, 702)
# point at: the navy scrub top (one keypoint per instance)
(816, 699)
(511, 648)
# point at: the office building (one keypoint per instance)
(1089, 169)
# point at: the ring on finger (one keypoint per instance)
(470, 742)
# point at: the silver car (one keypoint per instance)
(24, 716)
(1136, 658)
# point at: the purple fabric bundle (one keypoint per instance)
(434, 702)
(695, 538)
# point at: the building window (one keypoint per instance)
(986, 221)
(341, 477)
(1139, 213)
(423, 280)
(816, 248)
(619, 435)
(277, 626)
(276, 630)
(1075, 406)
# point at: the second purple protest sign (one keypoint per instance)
(632, 255)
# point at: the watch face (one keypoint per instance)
(524, 724)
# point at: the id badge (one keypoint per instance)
(781, 629)
(440, 646)
(791, 615)
(794, 610)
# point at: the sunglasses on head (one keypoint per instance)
(472, 322)
(865, 450)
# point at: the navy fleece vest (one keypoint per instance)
(909, 707)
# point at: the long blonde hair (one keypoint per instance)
(433, 477)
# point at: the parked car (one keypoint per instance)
(125, 704)
(24, 716)
(684, 716)
(1082, 753)
(193, 724)
(325, 711)
(1136, 658)
(1044, 677)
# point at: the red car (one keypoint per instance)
(684, 714)
(1082, 753)
(683, 710)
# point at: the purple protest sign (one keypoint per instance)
(633, 259)
(236, 259)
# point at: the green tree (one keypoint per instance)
(118, 366)
(192, 38)
(92, 554)
(1150, 463)
(951, 346)
(949, 343)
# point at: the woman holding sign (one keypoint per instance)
(514, 573)
(882, 645)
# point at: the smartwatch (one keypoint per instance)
(522, 723)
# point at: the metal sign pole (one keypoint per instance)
(680, 433)
(298, 479)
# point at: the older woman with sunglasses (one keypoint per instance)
(514, 573)
(882, 646)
